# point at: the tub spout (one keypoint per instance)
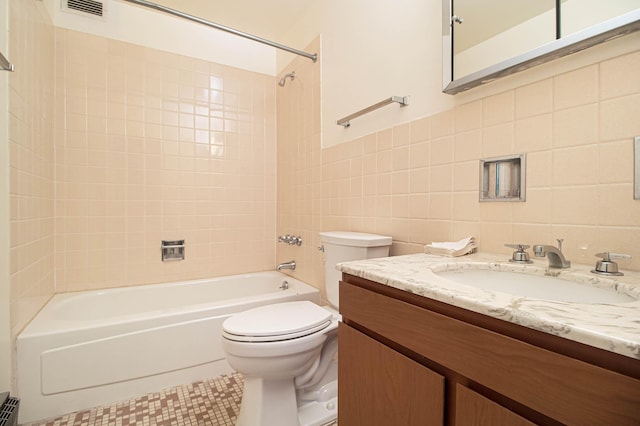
(287, 265)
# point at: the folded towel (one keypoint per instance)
(452, 248)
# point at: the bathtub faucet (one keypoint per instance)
(287, 265)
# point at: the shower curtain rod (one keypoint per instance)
(312, 56)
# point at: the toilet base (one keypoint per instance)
(273, 402)
(318, 406)
(320, 413)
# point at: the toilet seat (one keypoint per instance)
(277, 322)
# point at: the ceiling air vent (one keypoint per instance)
(93, 8)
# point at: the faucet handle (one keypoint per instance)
(607, 266)
(520, 255)
(519, 247)
(607, 255)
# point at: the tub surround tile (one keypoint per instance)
(612, 327)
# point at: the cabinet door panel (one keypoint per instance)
(473, 409)
(379, 386)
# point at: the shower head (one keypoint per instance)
(283, 80)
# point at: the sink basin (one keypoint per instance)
(538, 286)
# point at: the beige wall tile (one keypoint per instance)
(575, 166)
(574, 205)
(534, 99)
(443, 124)
(536, 209)
(498, 109)
(615, 162)
(468, 116)
(441, 178)
(421, 130)
(534, 133)
(619, 76)
(466, 206)
(576, 126)
(468, 145)
(626, 211)
(466, 176)
(619, 118)
(576, 88)
(440, 207)
(441, 151)
(497, 141)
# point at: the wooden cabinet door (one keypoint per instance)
(473, 409)
(379, 386)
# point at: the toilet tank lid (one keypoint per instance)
(355, 239)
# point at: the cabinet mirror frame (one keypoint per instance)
(604, 31)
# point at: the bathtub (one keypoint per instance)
(93, 348)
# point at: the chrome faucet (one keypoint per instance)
(287, 265)
(554, 254)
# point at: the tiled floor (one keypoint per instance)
(214, 402)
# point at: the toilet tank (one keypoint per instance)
(346, 246)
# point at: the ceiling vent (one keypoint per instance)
(88, 8)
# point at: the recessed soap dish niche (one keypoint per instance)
(502, 178)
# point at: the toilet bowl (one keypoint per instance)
(287, 351)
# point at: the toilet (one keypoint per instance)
(287, 351)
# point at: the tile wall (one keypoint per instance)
(153, 146)
(300, 167)
(31, 167)
(418, 182)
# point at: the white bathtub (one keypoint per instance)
(94, 348)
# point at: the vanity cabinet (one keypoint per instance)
(409, 360)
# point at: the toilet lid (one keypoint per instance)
(279, 321)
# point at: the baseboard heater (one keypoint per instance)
(8, 410)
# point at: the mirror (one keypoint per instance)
(483, 41)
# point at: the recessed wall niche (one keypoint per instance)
(502, 178)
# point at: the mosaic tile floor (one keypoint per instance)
(213, 402)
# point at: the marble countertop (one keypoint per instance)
(613, 326)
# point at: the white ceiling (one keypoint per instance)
(268, 19)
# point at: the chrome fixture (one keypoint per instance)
(284, 286)
(287, 265)
(283, 80)
(402, 100)
(607, 266)
(554, 254)
(290, 239)
(312, 56)
(5, 65)
(520, 255)
(172, 250)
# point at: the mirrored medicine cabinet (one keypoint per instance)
(486, 40)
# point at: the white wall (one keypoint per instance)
(373, 50)
(5, 326)
(146, 27)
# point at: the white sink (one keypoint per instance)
(539, 286)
